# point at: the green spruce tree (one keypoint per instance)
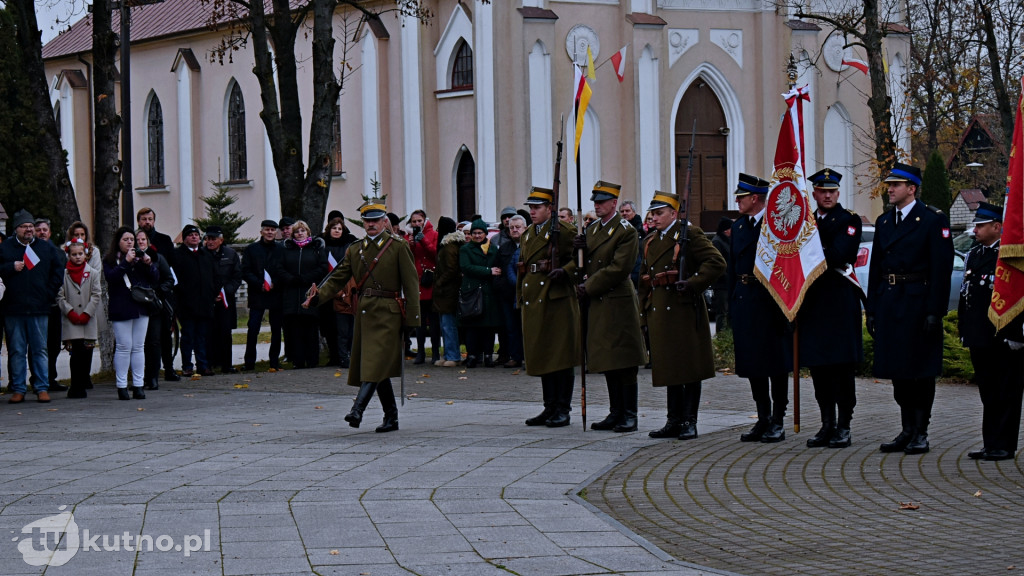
(935, 183)
(217, 214)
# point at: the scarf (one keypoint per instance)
(77, 273)
(302, 243)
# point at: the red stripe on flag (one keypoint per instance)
(1008, 287)
(858, 64)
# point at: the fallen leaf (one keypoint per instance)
(425, 376)
(462, 371)
(463, 378)
(1011, 567)
(141, 409)
(419, 381)
(337, 374)
(909, 506)
(335, 552)
(241, 386)
(412, 395)
(196, 377)
(189, 395)
(515, 372)
(52, 409)
(272, 370)
(318, 407)
(257, 425)
(977, 494)
(450, 402)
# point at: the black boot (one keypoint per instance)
(171, 376)
(549, 405)
(842, 438)
(628, 398)
(614, 409)
(355, 417)
(152, 383)
(674, 421)
(420, 357)
(919, 444)
(138, 393)
(764, 411)
(608, 423)
(563, 383)
(905, 436)
(387, 401)
(122, 394)
(691, 403)
(828, 428)
(776, 431)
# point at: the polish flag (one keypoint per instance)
(223, 298)
(332, 261)
(31, 258)
(1008, 285)
(267, 283)
(858, 64)
(619, 62)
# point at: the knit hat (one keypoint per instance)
(22, 217)
(478, 224)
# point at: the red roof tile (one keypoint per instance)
(972, 197)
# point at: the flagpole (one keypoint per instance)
(796, 377)
(583, 321)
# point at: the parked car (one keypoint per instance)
(861, 268)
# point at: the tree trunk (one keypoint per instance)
(32, 59)
(326, 90)
(1003, 104)
(879, 101)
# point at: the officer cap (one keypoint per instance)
(826, 179)
(664, 199)
(987, 213)
(904, 173)
(750, 185)
(373, 209)
(540, 196)
(605, 191)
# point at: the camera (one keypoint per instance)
(139, 253)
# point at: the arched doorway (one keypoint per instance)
(465, 185)
(709, 194)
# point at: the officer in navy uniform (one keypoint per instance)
(763, 346)
(908, 292)
(990, 355)
(830, 320)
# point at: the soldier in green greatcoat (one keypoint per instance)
(383, 268)
(675, 313)
(615, 344)
(545, 291)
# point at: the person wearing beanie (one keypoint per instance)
(195, 296)
(478, 263)
(447, 280)
(264, 295)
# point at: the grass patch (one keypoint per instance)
(725, 354)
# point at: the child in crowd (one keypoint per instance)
(79, 300)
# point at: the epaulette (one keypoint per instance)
(625, 223)
(933, 208)
(851, 211)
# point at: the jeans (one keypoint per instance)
(253, 334)
(129, 348)
(26, 335)
(513, 329)
(450, 333)
(193, 339)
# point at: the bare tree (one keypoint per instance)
(1001, 24)
(107, 125)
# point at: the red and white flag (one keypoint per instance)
(31, 258)
(223, 298)
(789, 252)
(619, 62)
(267, 282)
(1008, 287)
(855, 63)
(332, 261)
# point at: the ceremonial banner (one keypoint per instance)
(1008, 288)
(789, 253)
(581, 98)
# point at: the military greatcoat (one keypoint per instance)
(976, 297)
(830, 319)
(677, 322)
(614, 339)
(551, 313)
(763, 343)
(911, 268)
(378, 337)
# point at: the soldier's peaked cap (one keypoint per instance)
(904, 173)
(826, 178)
(373, 209)
(605, 191)
(663, 200)
(750, 185)
(540, 196)
(987, 213)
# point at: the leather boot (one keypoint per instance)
(764, 411)
(171, 376)
(387, 401)
(842, 438)
(138, 393)
(122, 394)
(919, 444)
(609, 422)
(355, 417)
(776, 431)
(614, 409)
(152, 383)
(828, 428)
(905, 436)
(691, 403)
(549, 405)
(628, 398)
(674, 422)
(564, 382)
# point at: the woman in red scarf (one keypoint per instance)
(79, 300)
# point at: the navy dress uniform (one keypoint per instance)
(546, 294)
(676, 315)
(830, 317)
(908, 291)
(615, 344)
(388, 302)
(761, 338)
(996, 365)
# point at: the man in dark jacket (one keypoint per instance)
(196, 295)
(227, 277)
(264, 296)
(32, 272)
(53, 326)
(145, 219)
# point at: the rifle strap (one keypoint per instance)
(373, 264)
(675, 250)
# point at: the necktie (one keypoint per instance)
(753, 221)
(899, 217)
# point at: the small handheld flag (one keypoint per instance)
(223, 298)
(268, 284)
(332, 261)
(31, 258)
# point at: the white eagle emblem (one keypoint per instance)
(787, 211)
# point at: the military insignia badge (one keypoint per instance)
(850, 231)
(945, 232)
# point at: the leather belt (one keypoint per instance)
(746, 279)
(539, 267)
(665, 278)
(894, 279)
(378, 293)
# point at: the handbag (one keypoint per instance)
(471, 305)
(144, 296)
(427, 280)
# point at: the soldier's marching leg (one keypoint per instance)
(762, 398)
(846, 399)
(387, 401)
(925, 397)
(547, 390)
(691, 403)
(780, 399)
(674, 422)
(355, 417)
(628, 401)
(824, 381)
(564, 383)
(615, 393)
(908, 417)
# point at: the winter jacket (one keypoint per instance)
(295, 270)
(30, 292)
(425, 253)
(84, 298)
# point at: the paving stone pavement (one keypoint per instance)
(258, 474)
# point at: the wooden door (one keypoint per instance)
(709, 194)
(465, 186)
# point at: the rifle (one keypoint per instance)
(684, 236)
(555, 228)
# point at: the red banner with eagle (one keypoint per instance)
(789, 253)
(1008, 288)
